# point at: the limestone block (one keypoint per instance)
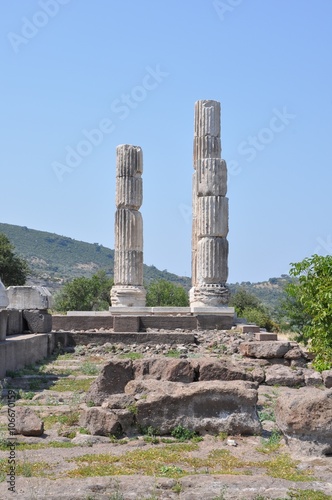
(37, 321)
(29, 297)
(128, 268)
(4, 301)
(212, 177)
(212, 261)
(128, 230)
(212, 216)
(129, 192)
(15, 322)
(129, 160)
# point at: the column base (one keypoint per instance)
(209, 296)
(128, 296)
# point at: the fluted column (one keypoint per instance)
(128, 257)
(210, 210)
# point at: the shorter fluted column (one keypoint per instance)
(128, 290)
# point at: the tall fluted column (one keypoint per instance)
(210, 210)
(128, 259)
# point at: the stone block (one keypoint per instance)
(265, 350)
(81, 322)
(38, 321)
(327, 378)
(249, 328)
(4, 301)
(212, 177)
(212, 216)
(264, 336)
(29, 297)
(160, 322)
(214, 322)
(15, 322)
(126, 324)
(27, 422)
(212, 255)
(3, 324)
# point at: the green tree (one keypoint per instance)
(249, 307)
(242, 300)
(13, 270)
(85, 294)
(312, 299)
(165, 293)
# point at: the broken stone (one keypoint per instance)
(283, 375)
(204, 407)
(305, 418)
(269, 349)
(27, 423)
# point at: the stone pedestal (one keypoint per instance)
(128, 290)
(210, 211)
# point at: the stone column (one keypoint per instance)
(210, 211)
(128, 288)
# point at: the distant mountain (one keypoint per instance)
(55, 259)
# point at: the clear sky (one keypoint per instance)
(80, 77)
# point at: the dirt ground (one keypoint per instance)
(68, 463)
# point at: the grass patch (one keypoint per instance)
(283, 467)
(71, 384)
(271, 444)
(173, 461)
(131, 355)
(26, 469)
(183, 434)
(173, 353)
(266, 414)
(308, 495)
(89, 368)
(68, 419)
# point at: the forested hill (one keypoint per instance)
(55, 259)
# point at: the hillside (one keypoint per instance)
(55, 259)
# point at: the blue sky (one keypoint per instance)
(84, 76)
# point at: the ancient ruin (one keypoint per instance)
(128, 290)
(210, 211)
